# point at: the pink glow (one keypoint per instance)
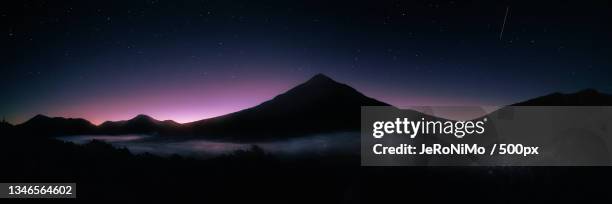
(187, 101)
(181, 104)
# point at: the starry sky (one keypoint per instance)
(189, 60)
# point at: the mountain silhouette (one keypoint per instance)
(42, 125)
(317, 106)
(320, 105)
(5, 126)
(141, 124)
(586, 97)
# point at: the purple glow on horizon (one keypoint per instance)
(187, 98)
(181, 104)
(192, 102)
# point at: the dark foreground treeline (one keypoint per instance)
(105, 174)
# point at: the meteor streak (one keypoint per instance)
(501, 34)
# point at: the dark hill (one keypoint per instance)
(42, 125)
(587, 97)
(141, 124)
(5, 127)
(320, 105)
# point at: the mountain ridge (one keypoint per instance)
(584, 97)
(42, 125)
(319, 105)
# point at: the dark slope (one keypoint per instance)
(320, 105)
(5, 127)
(587, 97)
(41, 125)
(141, 124)
(4, 124)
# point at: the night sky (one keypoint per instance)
(189, 60)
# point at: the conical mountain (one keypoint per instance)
(320, 105)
